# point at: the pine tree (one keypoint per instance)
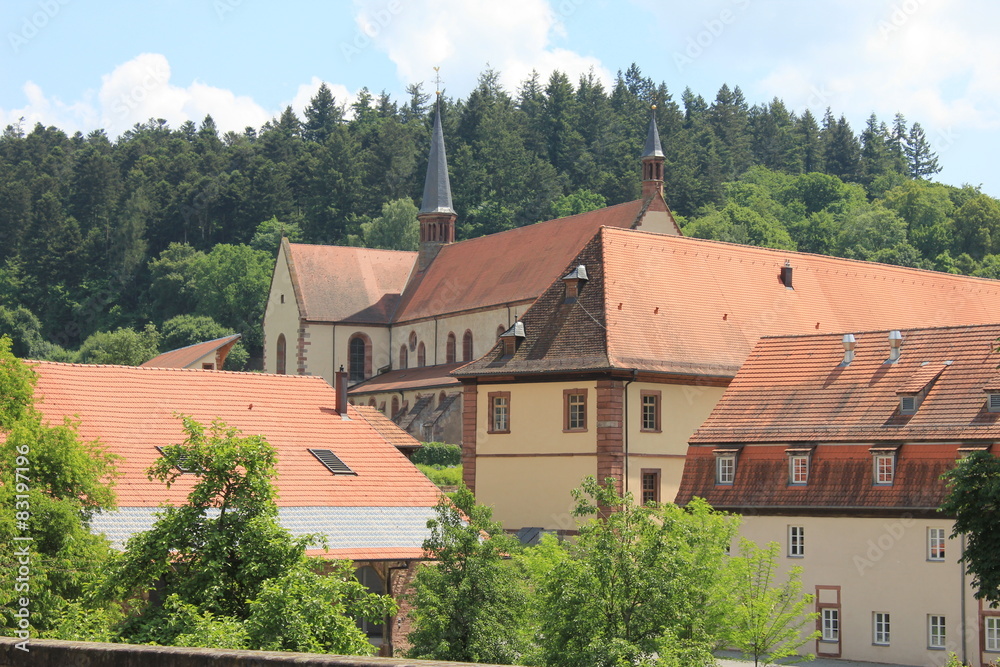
(919, 157)
(322, 115)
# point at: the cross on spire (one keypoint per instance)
(437, 80)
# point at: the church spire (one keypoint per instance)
(436, 216)
(652, 160)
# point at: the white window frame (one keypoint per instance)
(725, 469)
(882, 479)
(936, 539)
(991, 633)
(796, 541)
(830, 624)
(880, 628)
(937, 635)
(798, 469)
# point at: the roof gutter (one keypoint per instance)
(635, 373)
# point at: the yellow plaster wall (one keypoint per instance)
(657, 221)
(280, 318)
(207, 359)
(533, 491)
(881, 566)
(670, 469)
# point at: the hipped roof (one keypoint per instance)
(669, 304)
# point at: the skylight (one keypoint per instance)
(332, 462)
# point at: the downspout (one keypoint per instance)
(965, 630)
(333, 369)
(436, 361)
(390, 348)
(635, 372)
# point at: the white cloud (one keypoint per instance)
(463, 37)
(306, 91)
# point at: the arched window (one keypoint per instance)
(413, 340)
(280, 354)
(403, 356)
(442, 397)
(359, 356)
(421, 355)
(449, 350)
(500, 330)
(372, 403)
(395, 407)
(467, 346)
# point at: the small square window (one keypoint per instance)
(885, 468)
(935, 631)
(798, 469)
(575, 410)
(499, 412)
(725, 468)
(880, 628)
(831, 624)
(796, 541)
(651, 411)
(650, 485)
(935, 543)
(992, 632)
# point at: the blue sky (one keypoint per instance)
(79, 67)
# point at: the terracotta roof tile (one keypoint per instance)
(508, 267)
(387, 429)
(921, 377)
(183, 357)
(343, 284)
(409, 378)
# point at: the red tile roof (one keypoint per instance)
(508, 267)
(409, 378)
(342, 284)
(671, 304)
(795, 390)
(132, 410)
(183, 357)
(386, 428)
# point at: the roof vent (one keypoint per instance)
(786, 274)
(849, 345)
(895, 346)
(181, 462)
(994, 402)
(574, 281)
(332, 462)
(512, 338)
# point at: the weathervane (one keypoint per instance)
(437, 80)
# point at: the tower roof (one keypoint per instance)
(652, 147)
(437, 187)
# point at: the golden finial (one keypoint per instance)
(437, 80)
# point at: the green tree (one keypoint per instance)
(577, 202)
(974, 500)
(224, 554)
(640, 581)
(396, 229)
(185, 330)
(470, 603)
(921, 159)
(269, 233)
(768, 615)
(977, 226)
(124, 346)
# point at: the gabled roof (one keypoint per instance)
(132, 410)
(508, 267)
(670, 304)
(795, 390)
(184, 357)
(345, 284)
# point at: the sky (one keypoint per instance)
(112, 63)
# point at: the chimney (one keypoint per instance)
(849, 345)
(895, 346)
(786, 274)
(340, 386)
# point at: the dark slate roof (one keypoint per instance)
(437, 186)
(652, 147)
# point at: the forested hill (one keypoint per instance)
(166, 236)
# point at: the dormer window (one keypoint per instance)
(993, 401)
(909, 404)
(798, 469)
(725, 466)
(883, 465)
(512, 338)
(574, 281)
(915, 389)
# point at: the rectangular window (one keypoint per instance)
(831, 625)
(575, 410)
(992, 632)
(725, 468)
(935, 543)
(935, 631)
(651, 411)
(884, 468)
(796, 541)
(499, 412)
(880, 628)
(798, 469)
(650, 485)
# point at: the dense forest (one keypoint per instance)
(114, 249)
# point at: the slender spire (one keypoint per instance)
(437, 187)
(652, 148)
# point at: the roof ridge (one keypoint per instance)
(953, 327)
(77, 364)
(351, 247)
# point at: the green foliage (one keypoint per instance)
(579, 201)
(442, 475)
(184, 330)
(268, 236)
(124, 346)
(973, 499)
(768, 615)
(230, 575)
(396, 229)
(470, 603)
(438, 454)
(640, 581)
